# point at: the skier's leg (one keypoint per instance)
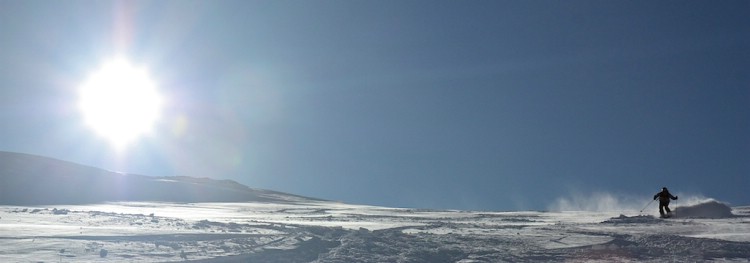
(661, 209)
(666, 207)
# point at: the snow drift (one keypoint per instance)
(640, 219)
(329, 232)
(706, 209)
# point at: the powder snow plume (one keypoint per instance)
(708, 208)
(597, 202)
(688, 205)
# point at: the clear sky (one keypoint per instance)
(498, 105)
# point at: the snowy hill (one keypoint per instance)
(320, 231)
(35, 180)
(56, 211)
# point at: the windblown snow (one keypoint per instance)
(267, 226)
(320, 231)
(708, 209)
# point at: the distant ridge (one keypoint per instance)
(36, 180)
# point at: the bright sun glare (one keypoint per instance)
(120, 102)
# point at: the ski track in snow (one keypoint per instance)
(334, 232)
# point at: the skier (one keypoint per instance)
(664, 198)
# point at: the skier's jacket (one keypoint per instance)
(664, 196)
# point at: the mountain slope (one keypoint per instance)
(35, 180)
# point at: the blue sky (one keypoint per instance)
(497, 105)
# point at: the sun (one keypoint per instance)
(120, 102)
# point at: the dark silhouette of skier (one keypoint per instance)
(664, 197)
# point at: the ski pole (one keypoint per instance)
(644, 208)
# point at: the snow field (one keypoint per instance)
(333, 232)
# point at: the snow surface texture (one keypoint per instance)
(56, 211)
(319, 231)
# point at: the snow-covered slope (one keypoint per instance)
(319, 231)
(35, 180)
(56, 211)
